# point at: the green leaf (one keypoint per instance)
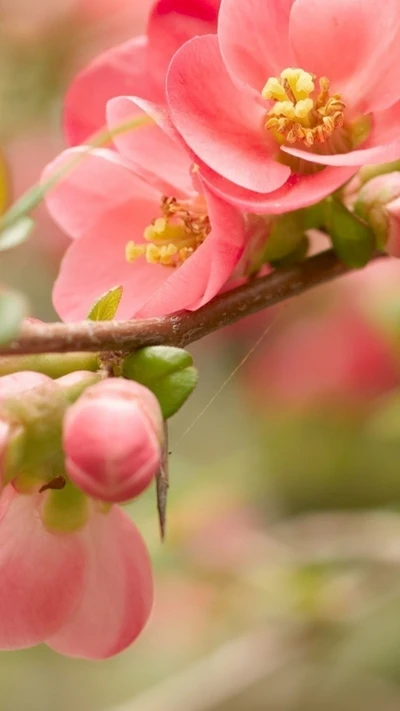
(352, 240)
(17, 233)
(167, 371)
(106, 306)
(13, 308)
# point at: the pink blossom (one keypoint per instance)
(86, 593)
(168, 245)
(289, 98)
(137, 67)
(74, 573)
(334, 355)
(111, 468)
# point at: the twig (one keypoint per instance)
(184, 327)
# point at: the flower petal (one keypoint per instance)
(221, 122)
(121, 70)
(254, 39)
(299, 191)
(154, 155)
(119, 590)
(98, 183)
(353, 44)
(96, 262)
(202, 276)
(15, 383)
(42, 574)
(174, 22)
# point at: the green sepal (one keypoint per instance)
(298, 254)
(287, 232)
(106, 306)
(65, 511)
(167, 371)
(352, 240)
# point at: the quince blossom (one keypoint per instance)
(282, 106)
(75, 572)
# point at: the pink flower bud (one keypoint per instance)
(112, 440)
(378, 204)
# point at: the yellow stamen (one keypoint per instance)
(299, 114)
(173, 238)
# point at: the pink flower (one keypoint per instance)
(86, 592)
(330, 356)
(282, 106)
(120, 467)
(74, 573)
(137, 67)
(167, 244)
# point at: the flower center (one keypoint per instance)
(173, 238)
(301, 112)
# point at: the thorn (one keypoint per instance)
(162, 485)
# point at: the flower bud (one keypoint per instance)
(112, 440)
(11, 386)
(378, 203)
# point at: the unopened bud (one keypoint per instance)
(11, 430)
(378, 203)
(112, 440)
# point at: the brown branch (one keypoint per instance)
(181, 328)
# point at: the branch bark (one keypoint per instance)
(182, 328)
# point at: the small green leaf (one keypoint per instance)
(352, 240)
(167, 371)
(106, 306)
(18, 233)
(12, 310)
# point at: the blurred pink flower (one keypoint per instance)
(289, 98)
(336, 355)
(116, 468)
(168, 253)
(138, 67)
(74, 573)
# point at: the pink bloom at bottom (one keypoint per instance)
(86, 594)
(74, 573)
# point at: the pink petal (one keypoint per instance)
(202, 276)
(382, 145)
(254, 39)
(96, 262)
(121, 70)
(151, 151)
(220, 121)
(119, 591)
(15, 383)
(173, 22)
(42, 574)
(352, 43)
(97, 184)
(299, 191)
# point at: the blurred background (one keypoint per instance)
(278, 588)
